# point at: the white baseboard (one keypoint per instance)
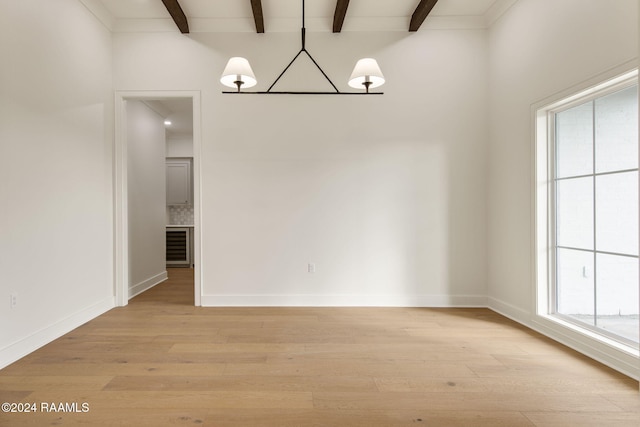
(604, 353)
(147, 284)
(507, 310)
(344, 301)
(23, 347)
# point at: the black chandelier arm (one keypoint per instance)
(314, 62)
(321, 70)
(303, 32)
(285, 70)
(302, 93)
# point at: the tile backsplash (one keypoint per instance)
(180, 215)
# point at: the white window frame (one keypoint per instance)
(614, 353)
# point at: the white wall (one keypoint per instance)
(56, 251)
(146, 185)
(181, 146)
(537, 49)
(386, 195)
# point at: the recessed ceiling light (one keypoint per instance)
(167, 122)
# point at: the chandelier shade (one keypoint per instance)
(366, 73)
(238, 73)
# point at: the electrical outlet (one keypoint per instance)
(311, 267)
(14, 300)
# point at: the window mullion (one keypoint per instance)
(593, 167)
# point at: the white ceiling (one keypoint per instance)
(285, 15)
(179, 111)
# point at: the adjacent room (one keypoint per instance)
(320, 212)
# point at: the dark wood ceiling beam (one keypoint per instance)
(421, 13)
(176, 12)
(256, 5)
(338, 16)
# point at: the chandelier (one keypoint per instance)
(239, 75)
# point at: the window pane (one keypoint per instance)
(574, 141)
(617, 213)
(574, 276)
(617, 295)
(574, 204)
(617, 131)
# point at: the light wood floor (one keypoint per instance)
(161, 361)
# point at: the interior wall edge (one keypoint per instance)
(21, 348)
(147, 284)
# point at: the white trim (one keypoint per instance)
(120, 188)
(613, 75)
(608, 352)
(145, 285)
(197, 194)
(120, 205)
(344, 301)
(507, 310)
(288, 25)
(27, 345)
(616, 358)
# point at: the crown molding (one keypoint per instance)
(495, 12)
(289, 25)
(100, 12)
(282, 25)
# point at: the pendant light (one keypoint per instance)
(238, 73)
(366, 74)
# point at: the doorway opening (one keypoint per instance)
(160, 103)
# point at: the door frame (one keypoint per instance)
(121, 220)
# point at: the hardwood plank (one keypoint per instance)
(109, 417)
(154, 400)
(477, 334)
(627, 401)
(141, 370)
(422, 355)
(110, 347)
(21, 383)
(264, 383)
(359, 418)
(237, 348)
(416, 350)
(155, 358)
(337, 367)
(578, 366)
(13, 395)
(472, 402)
(498, 370)
(551, 384)
(592, 419)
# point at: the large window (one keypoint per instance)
(592, 210)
